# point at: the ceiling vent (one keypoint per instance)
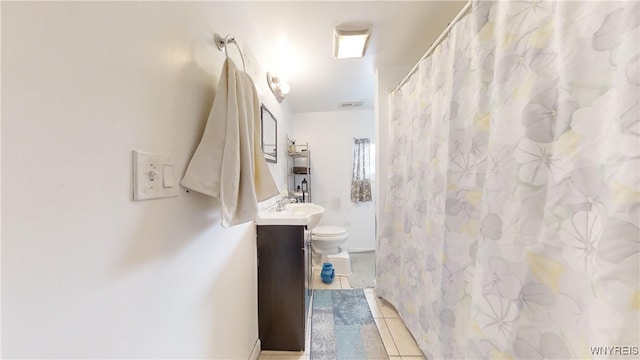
(350, 104)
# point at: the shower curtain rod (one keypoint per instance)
(436, 43)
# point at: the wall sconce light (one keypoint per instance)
(278, 88)
(349, 42)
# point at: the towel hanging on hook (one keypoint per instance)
(222, 42)
(229, 163)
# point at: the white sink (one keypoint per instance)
(308, 214)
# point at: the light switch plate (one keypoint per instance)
(152, 176)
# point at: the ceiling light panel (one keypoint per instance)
(350, 43)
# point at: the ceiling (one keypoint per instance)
(298, 36)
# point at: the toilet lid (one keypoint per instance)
(328, 230)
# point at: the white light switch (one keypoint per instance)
(167, 176)
(152, 176)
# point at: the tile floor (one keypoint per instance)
(397, 340)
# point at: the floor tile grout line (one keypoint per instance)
(394, 348)
(410, 334)
(392, 337)
(375, 303)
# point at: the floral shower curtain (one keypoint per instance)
(361, 173)
(511, 225)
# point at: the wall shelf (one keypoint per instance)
(298, 170)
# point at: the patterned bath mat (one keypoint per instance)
(342, 327)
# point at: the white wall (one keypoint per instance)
(86, 272)
(330, 136)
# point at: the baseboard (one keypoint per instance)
(356, 250)
(255, 352)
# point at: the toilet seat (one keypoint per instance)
(329, 233)
(327, 240)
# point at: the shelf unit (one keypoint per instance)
(298, 169)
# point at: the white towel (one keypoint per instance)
(229, 162)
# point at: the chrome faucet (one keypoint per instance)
(283, 202)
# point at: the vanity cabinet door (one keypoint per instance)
(281, 287)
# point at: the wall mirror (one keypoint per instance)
(269, 127)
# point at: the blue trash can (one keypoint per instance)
(328, 273)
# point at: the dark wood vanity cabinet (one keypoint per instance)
(283, 286)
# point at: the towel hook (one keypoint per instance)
(222, 43)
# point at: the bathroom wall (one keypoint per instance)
(87, 272)
(330, 136)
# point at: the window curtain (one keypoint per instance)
(511, 220)
(361, 174)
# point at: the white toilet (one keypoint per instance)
(327, 241)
